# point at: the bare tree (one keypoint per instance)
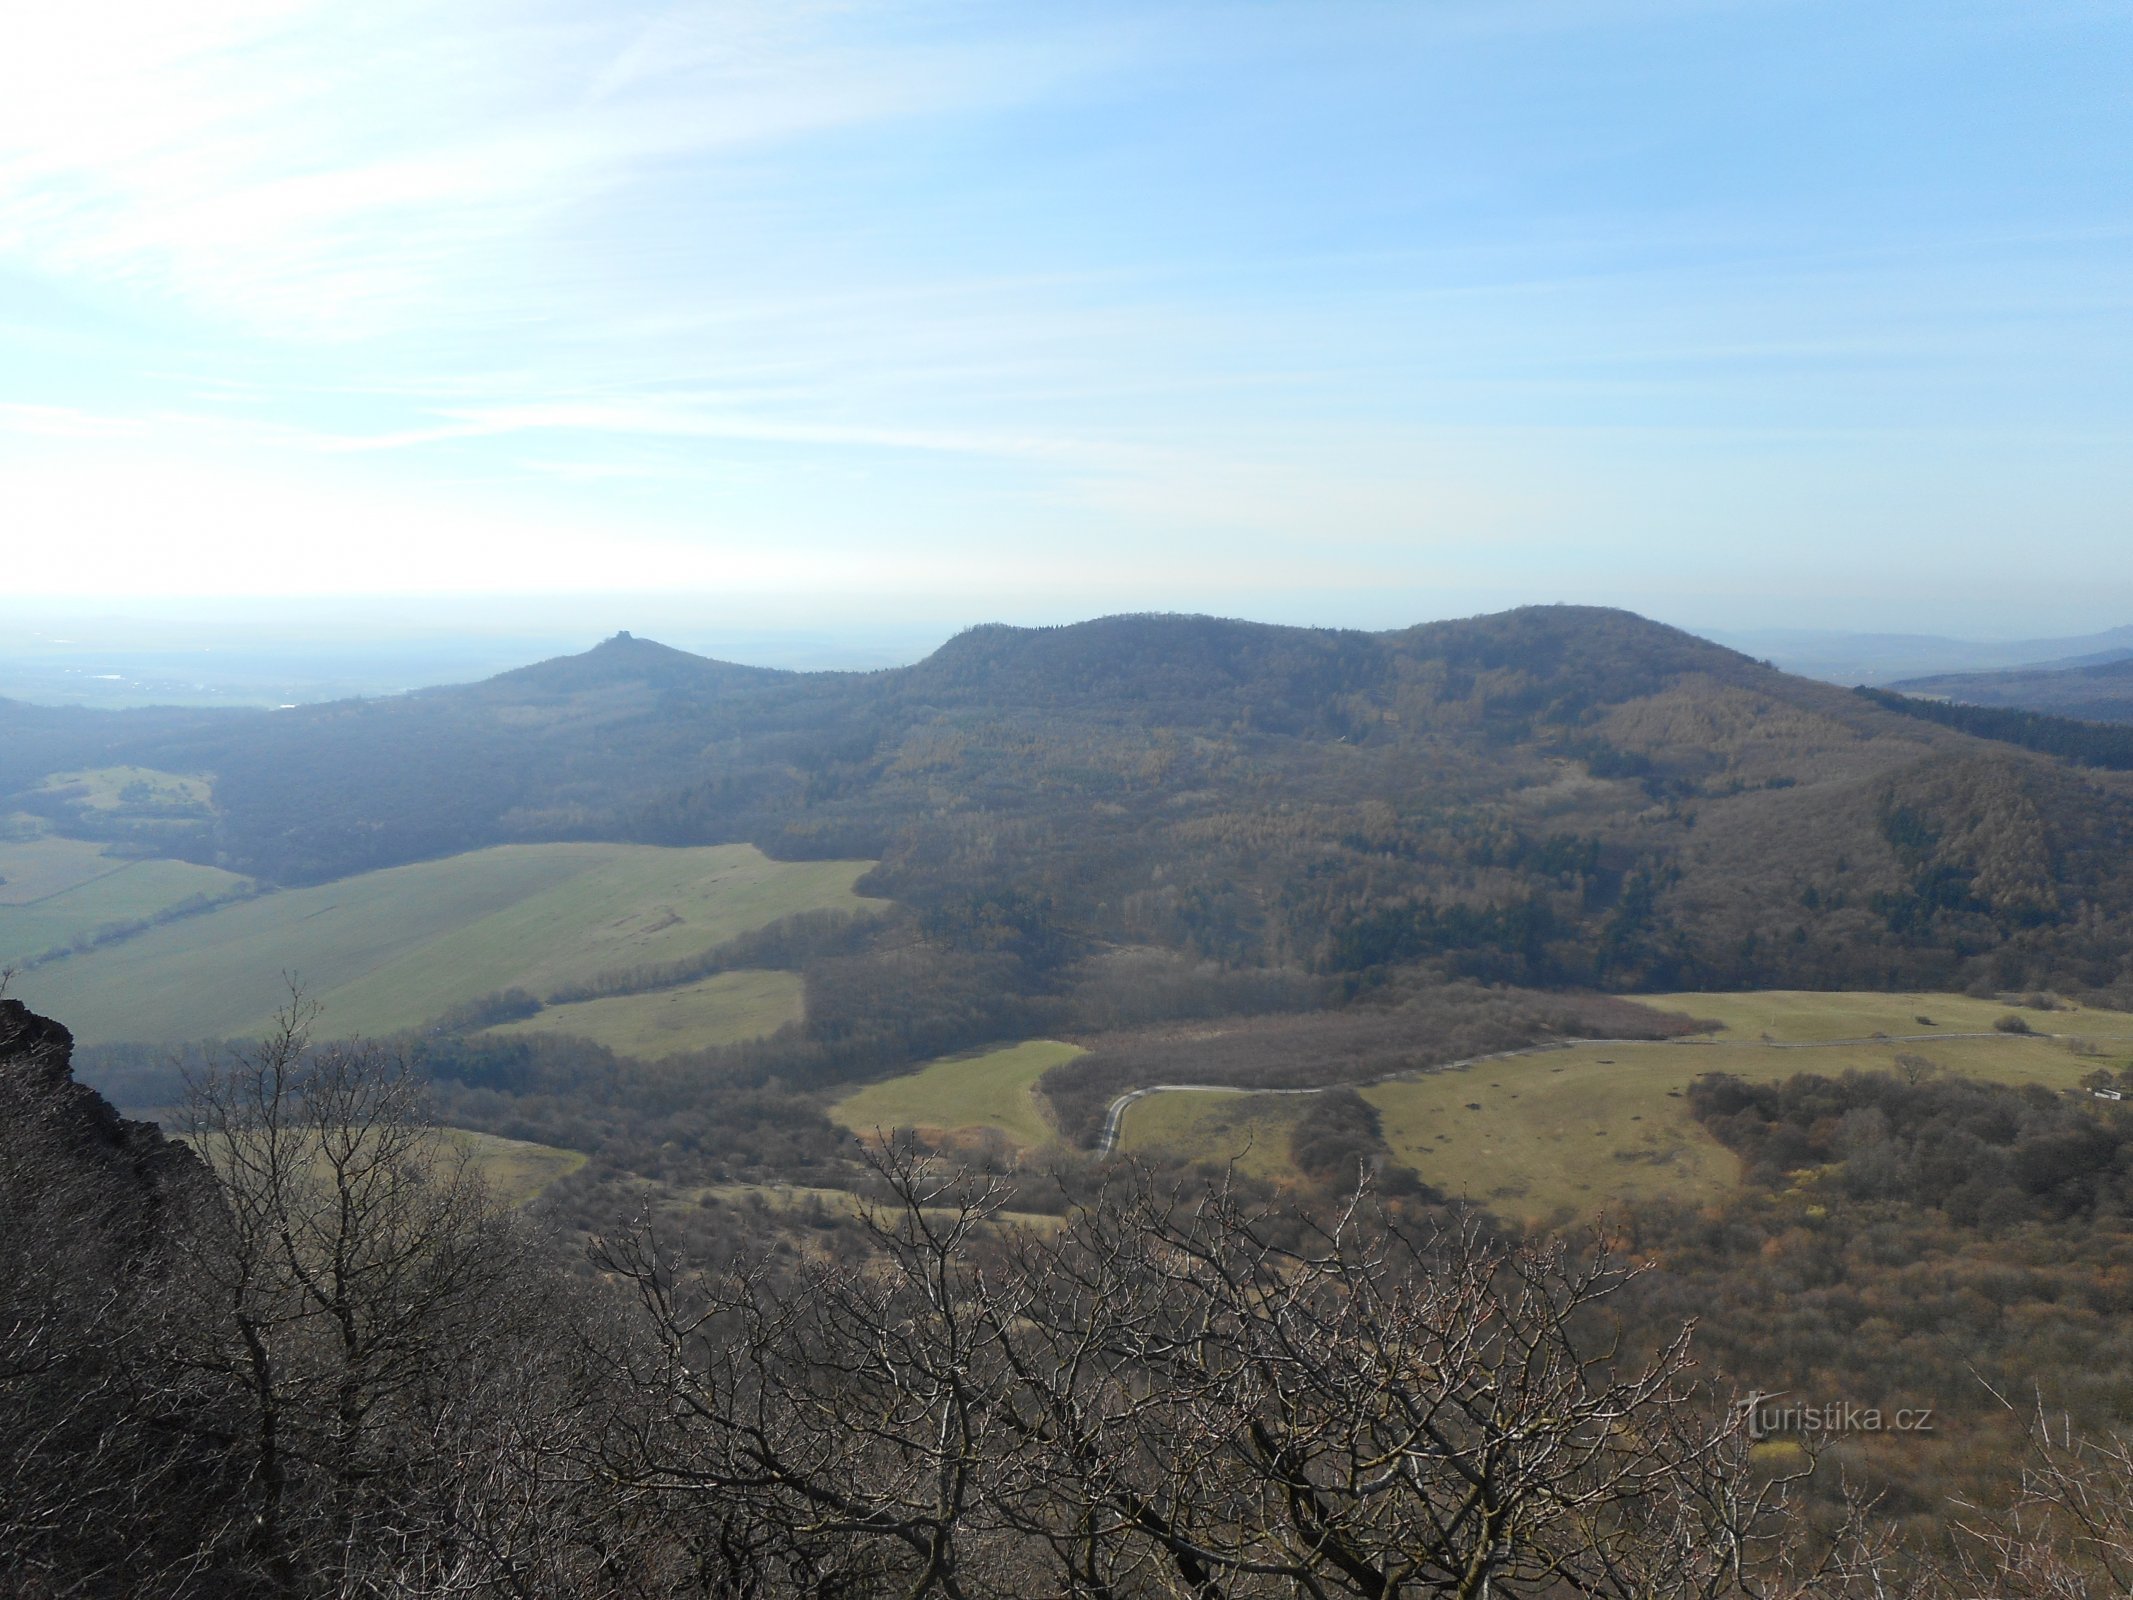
(320, 1360)
(1348, 1409)
(382, 1323)
(1194, 1400)
(827, 1430)
(1914, 1068)
(2067, 1532)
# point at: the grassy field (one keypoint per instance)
(1217, 1125)
(1799, 1015)
(53, 891)
(394, 949)
(41, 866)
(117, 788)
(792, 1197)
(964, 1094)
(1571, 1132)
(720, 1010)
(515, 1169)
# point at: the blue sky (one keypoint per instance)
(1766, 312)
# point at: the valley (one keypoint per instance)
(1545, 1135)
(975, 802)
(1356, 859)
(2098, 689)
(57, 893)
(1542, 920)
(615, 896)
(1564, 1134)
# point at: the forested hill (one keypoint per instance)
(1552, 795)
(624, 662)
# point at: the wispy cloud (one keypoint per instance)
(339, 172)
(873, 287)
(680, 422)
(65, 422)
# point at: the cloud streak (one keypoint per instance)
(1588, 294)
(337, 172)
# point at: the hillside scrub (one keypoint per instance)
(318, 1360)
(1932, 1241)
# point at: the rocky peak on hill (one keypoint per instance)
(626, 659)
(52, 1125)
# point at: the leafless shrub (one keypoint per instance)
(1190, 1397)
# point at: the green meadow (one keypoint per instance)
(964, 1094)
(54, 891)
(121, 788)
(390, 950)
(719, 1010)
(1219, 1125)
(1805, 1015)
(515, 1170)
(1574, 1131)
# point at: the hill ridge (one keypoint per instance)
(1549, 795)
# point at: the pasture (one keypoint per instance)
(964, 1095)
(54, 891)
(1218, 1125)
(392, 950)
(134, 788)
(1808, 1016)
(719, 1010)
(515, 1170)
(1570, 1132)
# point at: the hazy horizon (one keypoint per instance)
(261, 651)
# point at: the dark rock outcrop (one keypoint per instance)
(75, 1131)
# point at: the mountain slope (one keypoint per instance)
(1555, 795)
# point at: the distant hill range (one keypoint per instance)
(1889, 659)
(1553, 796)
(2099, 690)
